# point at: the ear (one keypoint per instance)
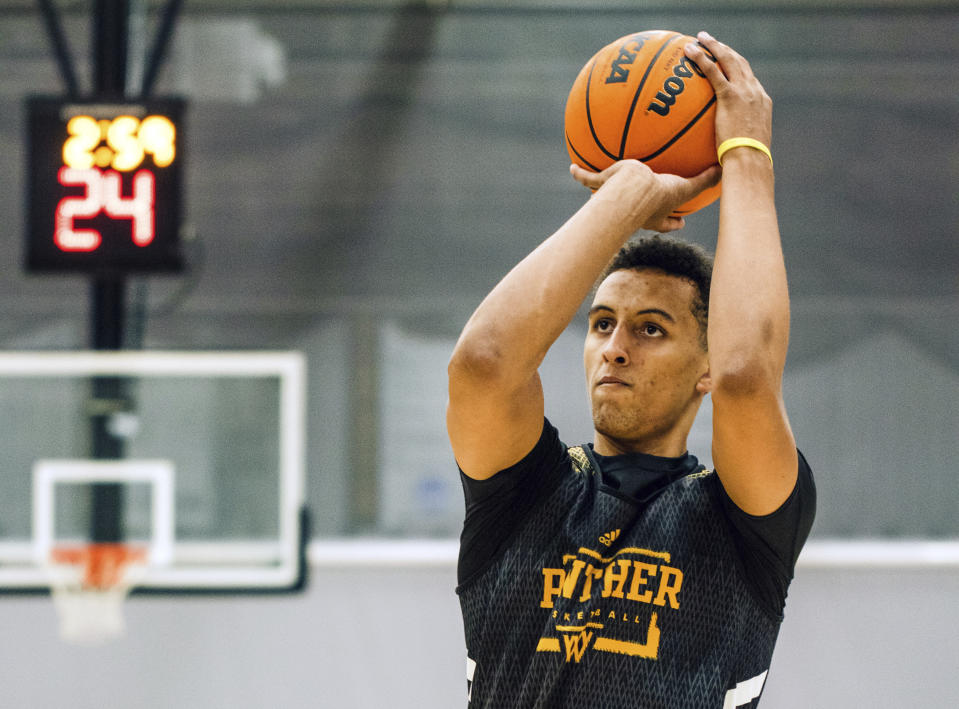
(705, 383)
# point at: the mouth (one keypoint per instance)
(612, 381)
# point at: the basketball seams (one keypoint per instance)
(583, 161)
(589, 116)
(681, 133)
(639, 90)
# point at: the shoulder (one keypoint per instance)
(542, 462)
(802, 495)
(496, 508)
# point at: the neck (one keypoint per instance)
(667, 447)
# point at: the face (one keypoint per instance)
(646, 370)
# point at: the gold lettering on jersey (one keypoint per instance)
(553, 580)
(623, 578)
(641, 575)
(670, 584)
(615, 578)
(587, 578)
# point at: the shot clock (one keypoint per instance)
(103, 187)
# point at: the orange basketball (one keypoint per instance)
(641, 97)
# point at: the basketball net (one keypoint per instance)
(89, 584)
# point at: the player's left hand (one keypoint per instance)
(743, 108)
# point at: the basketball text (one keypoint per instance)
(673, 86)
(619, 71)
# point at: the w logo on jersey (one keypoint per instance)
(576, 644)
(578, 639)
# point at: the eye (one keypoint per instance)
(651, 330)
(603, 325)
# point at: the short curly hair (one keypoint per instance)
(676, 258)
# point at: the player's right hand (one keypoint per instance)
(653, 195)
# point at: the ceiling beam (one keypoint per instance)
(508, 6)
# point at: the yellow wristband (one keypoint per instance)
(728, 145)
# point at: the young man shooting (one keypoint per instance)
(621, 573)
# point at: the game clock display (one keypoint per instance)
(103, 187)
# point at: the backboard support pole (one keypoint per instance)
(108, 292)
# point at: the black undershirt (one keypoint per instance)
(768, 545)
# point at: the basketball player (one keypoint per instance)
(621, 573)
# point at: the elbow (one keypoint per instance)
(752, 364)
(475, 359)
(487, 363)
(745, 376)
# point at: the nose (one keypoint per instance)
(615, 349)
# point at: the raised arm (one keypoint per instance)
(495, 412)
(753, 447)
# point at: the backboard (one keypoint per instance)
(210, 480)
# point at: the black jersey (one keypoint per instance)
(599, 598)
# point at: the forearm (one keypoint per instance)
(526, 312)
(749, 303)
(754, 452)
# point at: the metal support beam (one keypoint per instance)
(170, 12)
(51, 19)
(108, 308)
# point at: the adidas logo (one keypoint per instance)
(608, 538)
